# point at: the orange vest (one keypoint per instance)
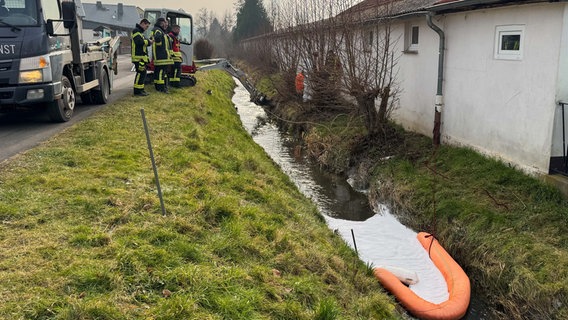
(300, 83)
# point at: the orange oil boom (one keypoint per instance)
(456, 279)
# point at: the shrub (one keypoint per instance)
(203, 49)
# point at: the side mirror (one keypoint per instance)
(49, 27)
(69, 11)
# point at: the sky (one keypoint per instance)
(219, 7)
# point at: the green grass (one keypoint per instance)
(82, 235)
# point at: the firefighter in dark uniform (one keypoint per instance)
(139, 56)
(161, 55)
(175, 73)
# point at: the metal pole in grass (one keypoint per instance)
(153, 162)
(354, 243)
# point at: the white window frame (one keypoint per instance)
(414, 46)
(410, 47)
(509, 30)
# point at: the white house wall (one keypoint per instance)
(502, 107)
(563, 59)
(417, 76)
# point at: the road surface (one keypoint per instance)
(20, 132)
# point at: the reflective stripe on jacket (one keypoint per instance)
(176, 48)
(139, 44)
(161, 47)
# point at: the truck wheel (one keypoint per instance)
(87, 98)
(61, 110)
(101, 95)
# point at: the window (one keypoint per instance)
(183, 20)
(509, 41)
(19, 13)
(50, 9)
(368, 40)
(412, 38)
(186, 27)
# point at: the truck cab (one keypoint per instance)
(44, 63)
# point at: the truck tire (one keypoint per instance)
(101, 96)
(61, 110)
(87, 98)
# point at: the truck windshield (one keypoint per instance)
(18, 13)
(185, 24)
(182, 19)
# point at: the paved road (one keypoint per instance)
(22, 132)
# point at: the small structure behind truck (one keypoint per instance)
(185, 21)
(44, 64)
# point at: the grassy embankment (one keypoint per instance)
(508, 230)
(82, 235)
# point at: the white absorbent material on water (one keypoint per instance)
(383, 241)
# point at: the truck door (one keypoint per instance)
(184, 20)
(185, 35)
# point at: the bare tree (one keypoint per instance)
(202, 23)
(345, 50)
(302, 41)
(217, 33)
(370, 62)
(227, 22)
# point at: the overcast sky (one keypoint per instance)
(219, 7)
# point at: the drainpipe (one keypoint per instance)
(439, 95)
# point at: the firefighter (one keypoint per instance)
(175, 72)
(161, 55)
(140, 55)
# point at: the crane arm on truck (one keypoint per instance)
(224, 64)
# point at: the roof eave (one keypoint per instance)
(466, 5)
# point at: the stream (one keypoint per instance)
(380, 239)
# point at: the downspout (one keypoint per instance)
(439, 94)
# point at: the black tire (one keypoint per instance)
(87, 98)
(188, 81)
(101, 96)
(61, 110)
(149, 78)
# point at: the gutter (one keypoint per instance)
(439, 102)
(478, 4)
(439, 93)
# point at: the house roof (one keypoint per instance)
(374, 9)
(388, 8)
(109, 14)
(464, 5)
